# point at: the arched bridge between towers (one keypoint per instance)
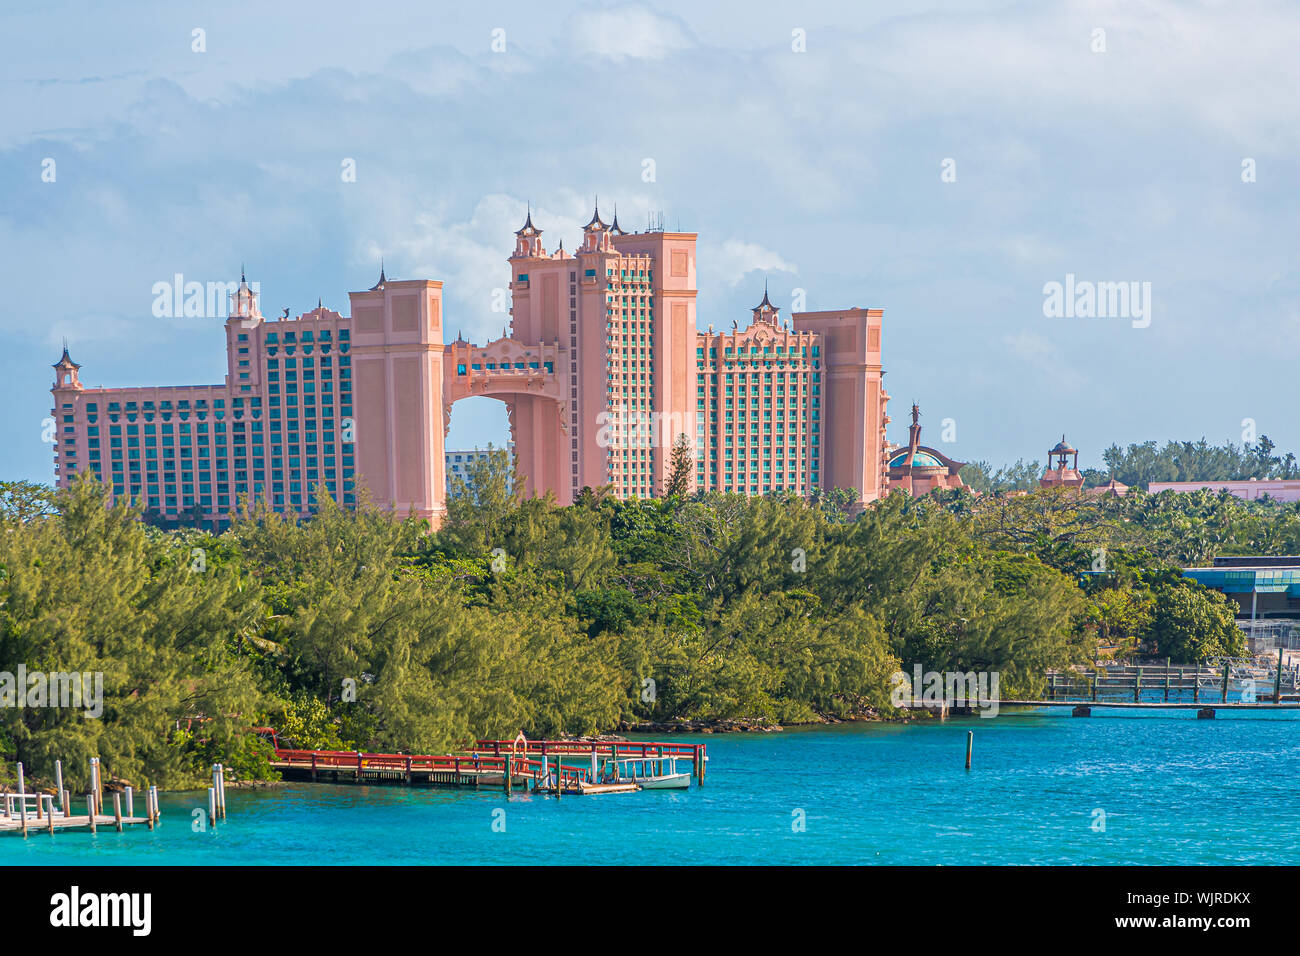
(530, 380)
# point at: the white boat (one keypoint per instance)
(649, 773)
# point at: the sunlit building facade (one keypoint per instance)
(601, 369)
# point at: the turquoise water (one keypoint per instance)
(1174, 790)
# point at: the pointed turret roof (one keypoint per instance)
(614, 226)
(596, 222)
(766, 304)
(528, 229)
(383, 280)
(65, 360)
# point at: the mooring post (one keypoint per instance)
(358, 766)
(408, 770)
(49, 817)
(1225, 681)
(90, 810)
(157, 809)
(1094, 683)
(221, 788)
(130, 801)
(1051, 685)
(970, 745)
(58, 779)
(148, 805)
(212, 806)
(21, 783)
(117, 810)
(1277, 681)
(1137, 684)
(1196, 684)
(40, 806)
(313, 766)
(66, 799)
(1166, 680)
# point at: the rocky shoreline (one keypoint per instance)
(731, 725)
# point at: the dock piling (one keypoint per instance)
(49, 817)
(212, 806)
(90, 810)
(130, 801)
(117, 810)
(58, 783)
(970, 745)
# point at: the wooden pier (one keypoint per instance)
(1226, 684)
(25, 813)
(536, 765)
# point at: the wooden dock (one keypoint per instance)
(1225, 684)
(536, 765)
(24, 813)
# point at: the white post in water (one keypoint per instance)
(130, 801)
(58, 783)
(221, 788)
(593, 765)
(212, 805)
(21, 791)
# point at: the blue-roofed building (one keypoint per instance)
(1266, 590)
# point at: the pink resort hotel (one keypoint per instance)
(601, 370)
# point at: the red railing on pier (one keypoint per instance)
(519, 764)
(619, 749)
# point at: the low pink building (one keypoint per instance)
(1277, 489)
(601, 370)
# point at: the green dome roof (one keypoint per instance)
(922, 460)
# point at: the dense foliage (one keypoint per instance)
(354, 630)
(1142, 463)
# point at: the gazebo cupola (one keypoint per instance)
(1062, 473)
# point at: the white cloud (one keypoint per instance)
(628, 32)
(732, 260)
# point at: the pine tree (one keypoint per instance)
(679, 468)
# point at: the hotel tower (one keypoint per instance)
(602, 369)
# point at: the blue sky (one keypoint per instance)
(818, 170)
